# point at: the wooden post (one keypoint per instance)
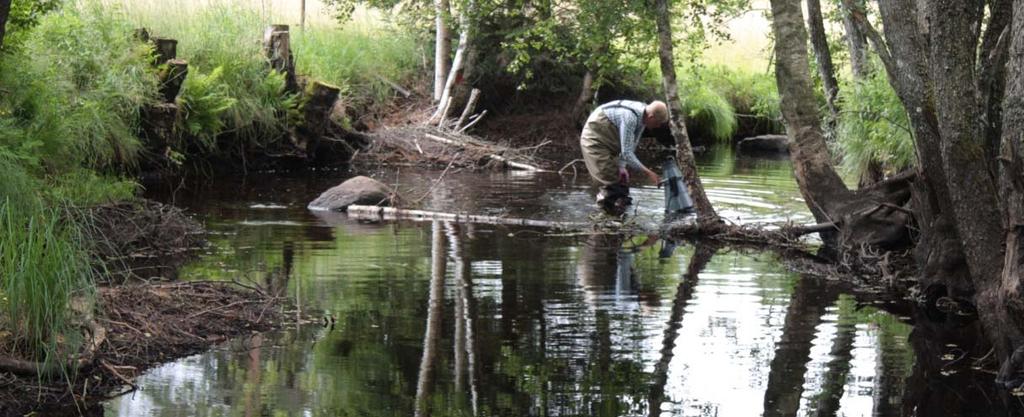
(171, 78)
(166, 49)
(277, 47)
(319, 98)
(302, 16)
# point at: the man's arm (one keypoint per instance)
(628, 142)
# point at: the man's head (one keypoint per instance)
(656, 115)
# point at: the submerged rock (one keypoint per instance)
(359, 190)
(765, 143)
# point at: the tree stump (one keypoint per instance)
(141, 34)
(277, 47)
(172, 76)
(158, 125)
(318, 100)
(166, 49)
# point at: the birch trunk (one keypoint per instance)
(455, 90)
(442, 46)
(820, 185)
(705, 211)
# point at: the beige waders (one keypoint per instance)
(600, 145)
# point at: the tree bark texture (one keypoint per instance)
(1011, 183)
(954, 44)
(819, 41)
(856, 41)
(993, 57)
(442, 46)
(318, 100)
(684, 153)
(820, 185)
(5, 10)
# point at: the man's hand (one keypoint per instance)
(654, 178)
(623, 176)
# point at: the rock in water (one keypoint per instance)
(359, 190)
(765, 144)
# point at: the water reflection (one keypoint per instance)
(444, 319)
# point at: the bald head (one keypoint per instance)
(656, 114)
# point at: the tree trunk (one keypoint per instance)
(705, 211)
(855, 40)
(1007, 296)
(955, 31)
(442, 46)
(5, 10)
(820, 185)
(456, 86)
(579, 109)
(819, 41)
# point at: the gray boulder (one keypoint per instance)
(359, 190)
(765, 143)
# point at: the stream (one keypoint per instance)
(417, 319)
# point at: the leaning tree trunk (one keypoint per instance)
(579, 109)
(820, 185)
(5, 10)
(819, 41)
(442, 46)
(456, 87)
(705, 211)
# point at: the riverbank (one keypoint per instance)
(135, 319)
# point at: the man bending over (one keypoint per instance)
(609, 141)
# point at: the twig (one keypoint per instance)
(118, 374)
(438, 180)
(571, 163)
(474, 122)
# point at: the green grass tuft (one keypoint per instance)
(873, 126)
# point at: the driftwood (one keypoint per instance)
(172, 76)
(473, 121)
(376, 213)
(508, 162)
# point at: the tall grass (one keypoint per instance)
(358, 58)
(715, 95)
(873, 127)
(43, 266)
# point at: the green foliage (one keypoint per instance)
(203, 101)
(873, 126)
(43, 265)
(357, 58)
(73, 92)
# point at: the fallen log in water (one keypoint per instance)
(377, 213)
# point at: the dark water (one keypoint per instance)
(452, 320)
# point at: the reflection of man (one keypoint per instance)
(609, 140)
